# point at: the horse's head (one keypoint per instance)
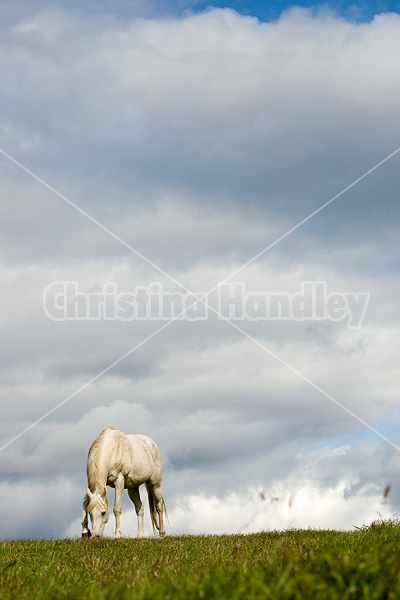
(97, 508)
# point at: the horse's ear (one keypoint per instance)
(89, 493)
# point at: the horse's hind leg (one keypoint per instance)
(134, 495)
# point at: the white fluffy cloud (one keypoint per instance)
(196, 142)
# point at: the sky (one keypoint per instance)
(250, 150)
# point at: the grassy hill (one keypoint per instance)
(364, 563)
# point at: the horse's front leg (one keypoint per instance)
(119, 488)
(134, 495)
(85, 519)
(84, 522)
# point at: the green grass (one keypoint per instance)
(364, 563)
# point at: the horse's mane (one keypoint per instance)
(93, 461)
(92, 464)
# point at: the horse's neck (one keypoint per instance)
(97, 468)
(98, 483)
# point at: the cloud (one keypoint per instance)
(36, 514)
(199, 141)
(214, 109)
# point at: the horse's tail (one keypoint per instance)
(152, 507)
(153, 512)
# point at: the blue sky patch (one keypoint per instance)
(267, 11)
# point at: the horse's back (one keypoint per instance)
(140, 442)
(135, 456)
(145, 449)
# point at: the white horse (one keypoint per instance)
(122, 461)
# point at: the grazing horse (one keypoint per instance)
(122, 461)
